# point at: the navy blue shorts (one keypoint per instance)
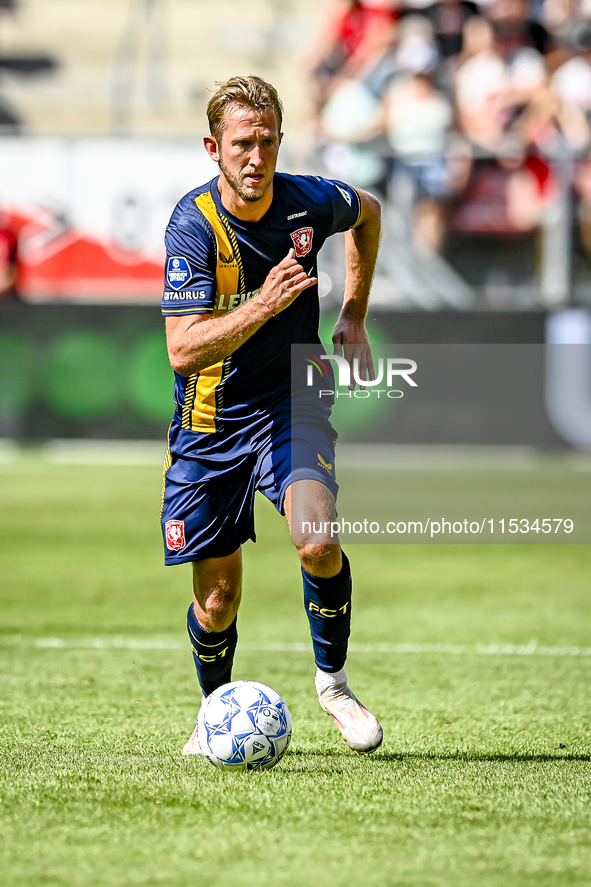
(210, 480)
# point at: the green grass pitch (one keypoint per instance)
(484, 777)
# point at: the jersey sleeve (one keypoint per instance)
(189, 272)
(346, 205)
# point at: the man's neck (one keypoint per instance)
(247, 210)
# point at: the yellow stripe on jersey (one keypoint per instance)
(167, 311)
(204, 412)
(165, 467)
(229, 271)
(204, 392)
(189, 399)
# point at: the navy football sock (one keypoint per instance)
(328, 606)
(213, 652)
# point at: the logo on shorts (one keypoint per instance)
(175, 534)
(302, 241)
(178, 272)
(324, 464)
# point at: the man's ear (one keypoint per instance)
(211, 146)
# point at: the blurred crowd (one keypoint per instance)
(467, 115)
(472, 118)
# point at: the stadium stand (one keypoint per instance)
(472, 120)
(168, 53)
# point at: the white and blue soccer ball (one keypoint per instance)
(244, 725)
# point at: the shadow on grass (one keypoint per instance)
(336, 757)
(477, 757)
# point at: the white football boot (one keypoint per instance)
(192, 747)
(359, 728)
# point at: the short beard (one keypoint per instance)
(239, 188)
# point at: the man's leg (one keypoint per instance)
(211, 623)
(327, 597)
(325, 573)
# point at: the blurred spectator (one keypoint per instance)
(493, 222)
(582, 185)
(8, 260)
(408, 47)
(360, 110)
(351, 114)
(355, 32)
(448, 18)
(568, 25)
(417, 120)
(416, 49)
(495, 97)
(504, 195)
(480, 85)
(514, 29)
(349, 126)
(571, 83)
(551, 122)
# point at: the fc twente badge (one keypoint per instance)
(175, 534)
(302, 241)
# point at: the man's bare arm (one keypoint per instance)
(361, 250)
(196, 341)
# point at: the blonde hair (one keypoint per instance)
(251, 91)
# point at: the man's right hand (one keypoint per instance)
(196, 341)
(284, 283)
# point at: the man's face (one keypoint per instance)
(247, 153)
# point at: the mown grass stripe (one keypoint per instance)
(532, 648)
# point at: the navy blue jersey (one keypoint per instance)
(216, 261)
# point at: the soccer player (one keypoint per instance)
(240, 289)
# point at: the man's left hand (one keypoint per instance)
(350, 336)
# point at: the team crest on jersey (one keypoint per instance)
(178, 272)
(175, 534)
(302, 241)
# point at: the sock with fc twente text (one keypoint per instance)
(213, 652)
(328, 607)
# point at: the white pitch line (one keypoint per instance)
(349, 456)
(530, 649)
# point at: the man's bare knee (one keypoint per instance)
(320, 558)
(217, 589)
(217, 615)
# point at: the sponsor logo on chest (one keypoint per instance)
(224, 302)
